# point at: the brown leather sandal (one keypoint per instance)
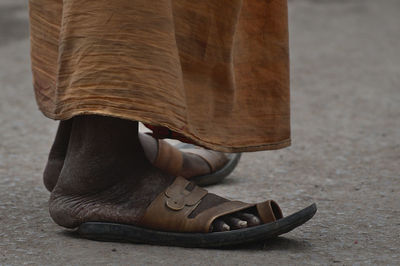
(170, 160)
(168, 220)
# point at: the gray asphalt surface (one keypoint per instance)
(345, 155)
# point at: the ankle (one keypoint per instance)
(102, 152)
(60, 145)
(104, 134)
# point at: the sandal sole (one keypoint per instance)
(128, 233)
(218, 176)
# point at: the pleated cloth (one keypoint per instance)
(214, 72)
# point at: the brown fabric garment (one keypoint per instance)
(216, 72)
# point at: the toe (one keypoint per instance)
(235, 223)
(220, 226)
(251, 219)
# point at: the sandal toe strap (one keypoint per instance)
(269, 211)
(171, 209)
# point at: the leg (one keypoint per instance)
(193, 165)
(57, 154)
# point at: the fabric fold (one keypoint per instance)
(213, 72)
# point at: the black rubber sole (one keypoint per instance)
(129, 233)
(218, 176)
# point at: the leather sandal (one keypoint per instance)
(169, 220)
(170, 159)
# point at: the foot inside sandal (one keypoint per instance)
(168, 220)
(129, 233)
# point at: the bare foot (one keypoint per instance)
(107, 177)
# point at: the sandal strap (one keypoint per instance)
(169, 158)
(269, 211)
(214, 159)
(207, 217)
(171, 209)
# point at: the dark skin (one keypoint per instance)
(193, 165)
(106, 176)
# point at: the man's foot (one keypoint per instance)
(107, 177)
(192, 165)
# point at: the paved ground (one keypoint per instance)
(345, 156)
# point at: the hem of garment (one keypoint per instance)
(199, 141)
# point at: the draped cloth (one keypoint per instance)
(215, 72)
